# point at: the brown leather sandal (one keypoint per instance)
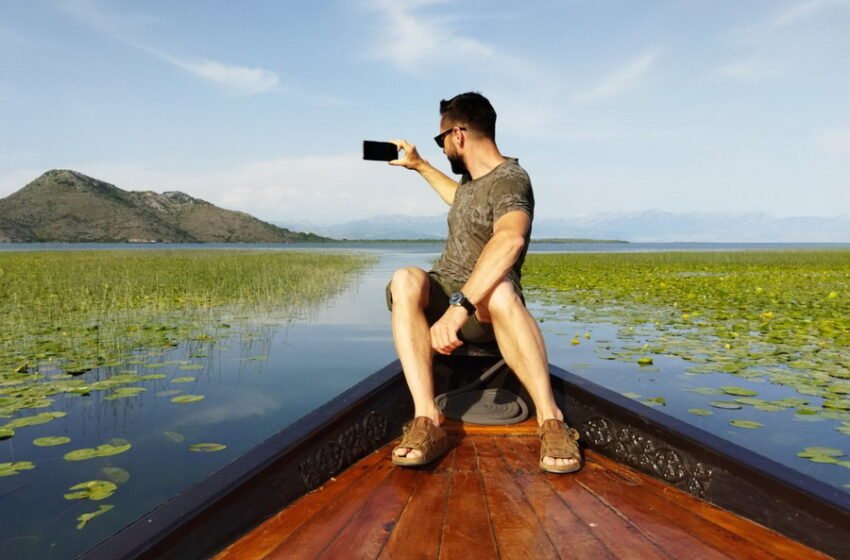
(559, 442)
(424, 436)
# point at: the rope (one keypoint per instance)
(494, 407)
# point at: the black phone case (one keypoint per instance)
(379, 151)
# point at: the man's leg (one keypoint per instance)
(412, 336)
(522, 346)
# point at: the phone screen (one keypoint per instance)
(379, 151)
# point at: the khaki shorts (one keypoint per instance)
(474, 331)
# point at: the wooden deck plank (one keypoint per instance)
(525, 428)
(670, 536)
(515, 525)
(663, 516)
(419, 529)
(369, 529)
(467, 532)
(488, 499)
(621, 536)
(312, 537)
(571, 537)
(776, 545)
(276, 529)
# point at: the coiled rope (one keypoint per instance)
(494, 407)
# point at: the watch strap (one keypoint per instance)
(462, 301)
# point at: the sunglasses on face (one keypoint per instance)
(440, 139)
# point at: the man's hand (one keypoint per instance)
(444, 332)
(411, 158)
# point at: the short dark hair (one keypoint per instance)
(473, 110)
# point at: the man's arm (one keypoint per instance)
(497, 258)
(439, 181)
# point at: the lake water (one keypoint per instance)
(263, 376)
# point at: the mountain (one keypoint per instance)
(67, 206)
(646, 226)
(381, 227)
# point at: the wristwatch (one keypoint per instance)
(457, 299)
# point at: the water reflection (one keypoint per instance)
(264, 375)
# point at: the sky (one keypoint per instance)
(612, 106)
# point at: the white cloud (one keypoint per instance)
(319, 189)
(415, 40)
(751, 69)
(237, 79)
(835, 141)
(621, 80)
(774, 45)
(796, 12)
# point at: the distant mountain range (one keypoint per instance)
(67, 206)
(647, 226)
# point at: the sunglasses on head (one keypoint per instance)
(440, 139)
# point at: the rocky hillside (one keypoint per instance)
(67, 206)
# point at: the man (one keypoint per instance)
(473, 292)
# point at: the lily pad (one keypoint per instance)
(645, 361)
(190, 367)
(207, 447)
(728, 405)
(6, 433)
(9, 469)
(835, 404)
(116, 447)
(631, 395)
(748, 424)
(94, 490)
(186, 379)
(184, 399)
(655, 401)
(175, 436)
(706, 391)
(125, 392)
(738, 391)
(35, 420)
(86, 517)
(700, 412)
(767, 407)
(51, 441)
(116, 475)
(811, 452)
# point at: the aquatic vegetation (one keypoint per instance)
(207, 447)
(64, 314)
(10, 469)
(185, 399)
(115, 447)
(700, 412)
(781, 317)
(51, 441)
(86, 517)
(94, 490)
(116, 475)
(748, 424)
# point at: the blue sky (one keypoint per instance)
(612, 106)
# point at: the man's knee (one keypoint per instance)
(503, 299)
(409, 284)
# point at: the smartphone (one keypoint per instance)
(379, 151)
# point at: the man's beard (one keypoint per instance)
(458, 167)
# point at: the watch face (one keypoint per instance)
(456, 298)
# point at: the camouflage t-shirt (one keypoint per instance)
(476, 207)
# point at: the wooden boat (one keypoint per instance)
(652, 487)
